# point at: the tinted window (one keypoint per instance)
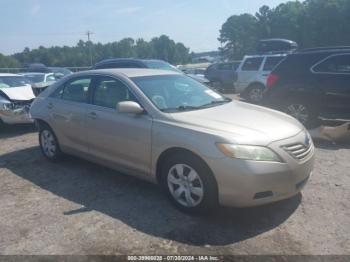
(272, 62)
(109, 92)
(76, 90)
(226, 66)
(12, 81)
(36, 78)
(335, 64)
(50, 78)
(252, 64)
(119, 65)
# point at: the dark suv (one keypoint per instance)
(312, 85)
(134, 63)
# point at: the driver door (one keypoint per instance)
(118, 138)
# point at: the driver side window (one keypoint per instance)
(110, 91)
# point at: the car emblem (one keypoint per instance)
(307, 140)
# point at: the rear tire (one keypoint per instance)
(302, 111)
(49, 144)
(189, 183)
(255, 93)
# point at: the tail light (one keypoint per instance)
(271, 80)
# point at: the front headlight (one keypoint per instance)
(5, 104)
(257, 153)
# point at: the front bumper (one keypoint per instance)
(244, 183)
(16, 116)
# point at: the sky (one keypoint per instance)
(196, 23)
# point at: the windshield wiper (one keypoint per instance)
(216, 102)
(184, 108)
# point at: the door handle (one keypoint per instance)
(93, 115)
(50, 106)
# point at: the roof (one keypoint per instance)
(6, 74)
(126, 60)
(34, 73)
(263, 55)
(134, 72)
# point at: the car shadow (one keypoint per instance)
(329, 145)
(8, 131)
(141, 205)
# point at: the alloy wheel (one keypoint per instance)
(256, 95)
(48, 143)
(299, 112)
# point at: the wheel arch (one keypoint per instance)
(177, 150)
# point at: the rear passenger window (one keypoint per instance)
(110, 91)
(252, 64)
(337, 64)
(77, 90)
(272, 62)
(225, 67)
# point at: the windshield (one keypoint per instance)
(174, 93)
(12, 81)
(36, 78)
(161, 65)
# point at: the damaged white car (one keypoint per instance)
(16, 97)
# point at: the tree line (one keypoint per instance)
(310, 23)
(85, 53)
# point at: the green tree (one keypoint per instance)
(238, 36)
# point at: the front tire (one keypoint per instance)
(49, 144)
(189, 183)
(217, 85)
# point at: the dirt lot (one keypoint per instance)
(76, 207)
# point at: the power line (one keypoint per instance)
(89, 33)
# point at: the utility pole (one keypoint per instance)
(89, 33)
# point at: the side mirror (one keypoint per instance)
(129, 107)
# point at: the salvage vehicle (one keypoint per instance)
(16, 96)
(312, 85)
(40, 81)
(202, 148)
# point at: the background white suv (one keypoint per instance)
(252, 74)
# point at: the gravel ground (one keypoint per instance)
(76, 207)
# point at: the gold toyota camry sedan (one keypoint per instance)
(202, 148)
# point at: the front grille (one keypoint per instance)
(298, 150)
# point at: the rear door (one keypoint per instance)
(226, 73)
(248, 72)
(269, 64)
(67, 110)
(333, 76)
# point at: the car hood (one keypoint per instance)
(21, 93)
(242, 123)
